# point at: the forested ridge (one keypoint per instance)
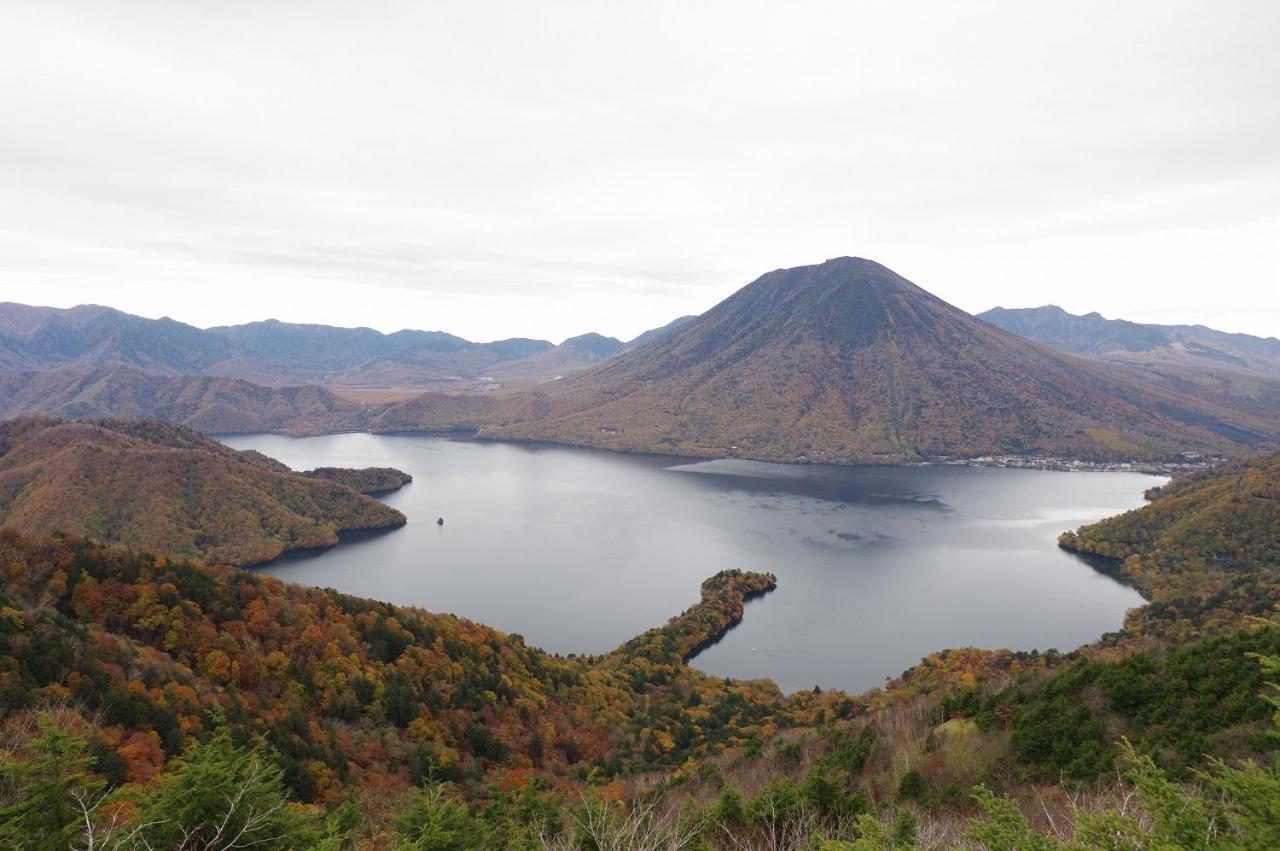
(362, 724)
(166, 488)
(212, 404)
(1205, 552)
(350, 693)
(370, 480)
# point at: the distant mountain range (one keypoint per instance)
(212, 405)
(849, 362)
(845, 362)
(1121, 341)
(167, 489)
(84, 338)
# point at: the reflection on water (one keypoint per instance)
(579, 550)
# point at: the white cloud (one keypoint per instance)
(496, 169)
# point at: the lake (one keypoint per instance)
(579, 550)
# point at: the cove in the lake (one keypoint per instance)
(579, 550)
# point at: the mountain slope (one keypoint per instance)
(1207, 547)
(22, 320)
(142, 657)
(363, 355)
(370, 481)
(573, 355)
(212, 405)
(268, 352)
(274, 353)
(167, 489)
(849, 362)
(324, 347)
(90, 336)
(654, 333)
(417, 368)
(128, 670)
(358, 694)
(1132, 342)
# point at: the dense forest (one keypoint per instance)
(370, 480)
(215, 405)
(165, 488)
(1205, 552)
(156, 645)
(154, 702)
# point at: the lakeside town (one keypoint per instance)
(1190, 462)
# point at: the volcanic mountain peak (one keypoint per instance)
(846, 303)
(847, 361)
(842, 281)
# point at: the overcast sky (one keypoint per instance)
(547, 168)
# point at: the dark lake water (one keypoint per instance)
(579, 550)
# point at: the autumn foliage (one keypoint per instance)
(168, 489)
(352, 692)
(1205, 552)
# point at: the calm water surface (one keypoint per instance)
(579, 550)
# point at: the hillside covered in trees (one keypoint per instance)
(1121, 341)
(167, 489)
(363, 724)
(1205, 551)
(370, 480)
(353, 695)
(212, 404)
(83, 351)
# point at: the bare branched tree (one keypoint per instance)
(111, 833)
(619, 827)
(254, 824)
(775, 830)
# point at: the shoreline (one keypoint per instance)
(716, 636)
(345, 536)
(1074, 465)
(1193, 462)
